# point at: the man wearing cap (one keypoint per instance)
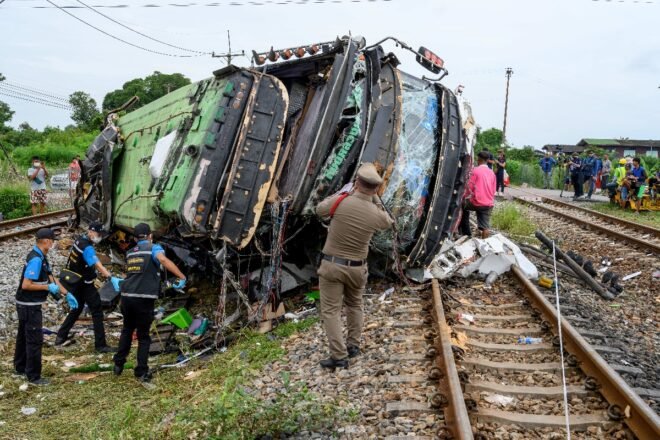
(355, 216)
(78, 277)
(36, 283)
(139, 291)
(617, 178)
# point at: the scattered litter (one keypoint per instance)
(546, 282)
(91, 368)
(603, 269)
(529, 340)
(619, 259)
(498, 399)
(2, 393)
(314, 295)
(181, 318)
(194, 325)
(467, 255)
(2, 423)
(23, 387)
(615, 305)
(385, 294)
(190, 375)
(202, 328)
(631, 276)
(28, 411)
(81, 377)
(656, 274)
(69, 364)
(465, 317)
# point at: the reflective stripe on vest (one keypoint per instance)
(140, 295)
(23, 303)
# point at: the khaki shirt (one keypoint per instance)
(356, 219)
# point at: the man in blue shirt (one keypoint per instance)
(36, 283)
(79, 276)
(139, 292)
(640, 174)
(547, 164)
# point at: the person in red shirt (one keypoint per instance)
(479, 197)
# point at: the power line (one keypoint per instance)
(119, 39)
(218, 4)
(34, 91)
(2, 93)
(30, 96)
(140, 33)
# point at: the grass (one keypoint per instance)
(650, 218)
(511, 219)
(220, 402)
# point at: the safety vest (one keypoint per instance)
(76, 262)
(142, 274)
(34, 297)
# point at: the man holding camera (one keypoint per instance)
(38, 174)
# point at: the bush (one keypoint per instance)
(15, 201)
(53, 152)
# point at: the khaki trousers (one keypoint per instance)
(341, 285)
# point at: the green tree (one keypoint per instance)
(148, 89)
(491, 139)
(85, 113)
(6, 114)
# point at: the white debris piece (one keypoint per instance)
(631, 276)
(385, 294)
(498, 399)
(28, 411)
(469, 255)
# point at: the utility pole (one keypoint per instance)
(228, 56)
(509, 72)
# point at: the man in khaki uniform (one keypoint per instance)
(343, 271)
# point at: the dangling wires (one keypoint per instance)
(561, 345)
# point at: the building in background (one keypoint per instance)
(618, 147)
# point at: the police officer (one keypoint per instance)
(36, 283)
(78, 278)
(355, 216)
(139, 291)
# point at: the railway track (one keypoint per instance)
(26, 225)
(641, 236)
(491, 386)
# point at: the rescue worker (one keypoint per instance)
(139, 292)
(617, 178)
(355, 216)
(36, 283)
(78, 277)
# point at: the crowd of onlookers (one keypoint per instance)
(584, 174)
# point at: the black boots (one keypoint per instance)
(353, 351)
(333, 363)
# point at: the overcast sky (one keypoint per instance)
(582, 68)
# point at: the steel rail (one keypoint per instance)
(32, 218)
(610, 218)
(639, 417)
(618, 235)
(456, 414)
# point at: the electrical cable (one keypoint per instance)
(34, 91)
(4, 93)
(561, 345)
(140, 33)
(120, 39)
(34, 97)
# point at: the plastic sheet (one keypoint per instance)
(408, 188)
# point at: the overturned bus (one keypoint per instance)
(227, 171)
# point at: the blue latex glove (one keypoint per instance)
(54, 289)
(73, 302)
(180, 284)
(116, 281)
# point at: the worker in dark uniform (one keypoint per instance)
(36, 283)
(355, 216)
(139, 291)
(78, 278)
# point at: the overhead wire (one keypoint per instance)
(34, 91)
(140, 33)
(120, 39)
(61, 107)
(32, 96)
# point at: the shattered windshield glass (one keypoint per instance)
(408, 187)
